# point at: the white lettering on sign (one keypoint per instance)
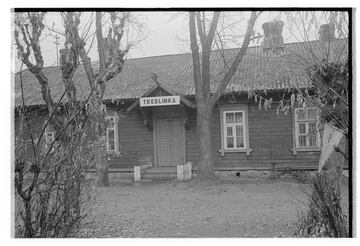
(159, 101)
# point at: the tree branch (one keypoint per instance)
(238, 58)
(337, 149)
(200, 25)
(36, 23)
(195, 56)
(100, 41)
(213, 25)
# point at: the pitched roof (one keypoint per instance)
(257, 71)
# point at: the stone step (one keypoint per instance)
(158, 176)
(160, 170)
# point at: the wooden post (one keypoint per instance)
(180, 172)
(187, 170)
(137, 174)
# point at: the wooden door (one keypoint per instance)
(170, 142)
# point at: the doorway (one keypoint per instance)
(169, 142)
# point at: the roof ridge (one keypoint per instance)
(216, 50)
(189, 53)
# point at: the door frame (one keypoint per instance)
(155, 130)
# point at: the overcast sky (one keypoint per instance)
(162, 29)
(167, 33)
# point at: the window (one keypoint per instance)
(112, 139)
(234, 129)
(49, 137)
(307, 135)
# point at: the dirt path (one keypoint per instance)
(250, 208)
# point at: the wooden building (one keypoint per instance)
(156, 122)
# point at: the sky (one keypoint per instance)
(166, 33)
(162, 30)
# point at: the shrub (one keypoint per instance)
(324, 217)
(52, 192)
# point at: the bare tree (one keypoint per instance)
(111, 51)
(111, 61)
(205, 99)
(28, 30)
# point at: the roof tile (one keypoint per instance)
(257, 71)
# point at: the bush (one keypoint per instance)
(325, 217)
(52, 192)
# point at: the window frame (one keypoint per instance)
(116, 134)
(234, 108)
(47, 143)
(233, 126)
(296, 133)
(48, 132)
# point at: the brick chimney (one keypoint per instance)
(327, 32)
(67, 61)
(273, 39)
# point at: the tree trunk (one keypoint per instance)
(102, 176)
(202, 79)
(28, 218)
(206, 162)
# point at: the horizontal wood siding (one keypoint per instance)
(136, 141)
(36, 126)
(270, 138)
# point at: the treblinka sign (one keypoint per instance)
(159, 101)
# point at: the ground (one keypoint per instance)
(236, 208)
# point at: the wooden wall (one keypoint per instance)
(267, 131)
(36, 123)
(136, 141)
(270, 138)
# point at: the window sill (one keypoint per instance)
(223, 151)
(309, 150)
(295, 150)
